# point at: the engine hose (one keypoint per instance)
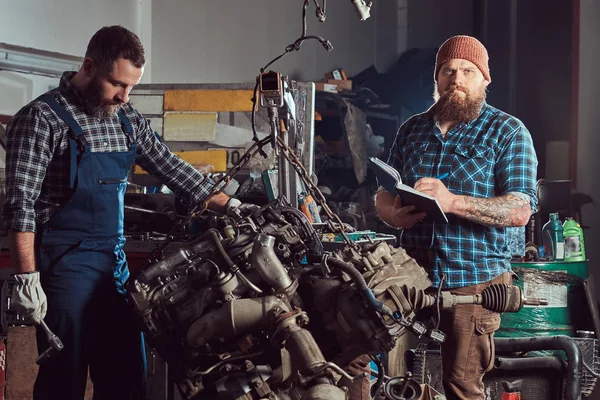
(361, 285)
(380, 375)
(565, 343)
(214, 234)
(317, 245)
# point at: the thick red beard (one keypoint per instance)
(451, 106)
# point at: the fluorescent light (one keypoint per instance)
(39, 62)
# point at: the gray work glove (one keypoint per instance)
(28, 298)
(235, 208)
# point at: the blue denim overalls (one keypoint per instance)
(83, 271)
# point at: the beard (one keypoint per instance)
(451, 106)
(94, 102)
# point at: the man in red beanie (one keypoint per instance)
(480, 164)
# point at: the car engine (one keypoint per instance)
(255, 308)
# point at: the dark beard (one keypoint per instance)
(451, 107)
(94, 102)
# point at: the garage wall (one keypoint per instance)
(588, 145)
(64, 26)
(229, 41)
(204, 42)
(433, 21)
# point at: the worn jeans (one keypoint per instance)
(469, 352)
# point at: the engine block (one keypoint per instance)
(254, 308)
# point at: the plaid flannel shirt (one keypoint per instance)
(490, 156)
(37, 157)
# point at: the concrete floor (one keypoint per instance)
(21, 369)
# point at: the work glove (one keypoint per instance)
(28, 298)
(235, 208)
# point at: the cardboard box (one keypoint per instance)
(337, 74)
(326, 87)
(341, 84)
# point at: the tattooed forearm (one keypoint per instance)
(502, 211)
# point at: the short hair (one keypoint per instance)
(112, 43)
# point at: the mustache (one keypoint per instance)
(458, 87)
(111, 103)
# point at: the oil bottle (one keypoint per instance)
(573, 237)
(552, 236)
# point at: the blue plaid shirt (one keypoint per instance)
(490, 156)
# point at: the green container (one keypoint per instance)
(561, 283)
(573, 237)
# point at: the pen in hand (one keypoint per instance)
(443, 176)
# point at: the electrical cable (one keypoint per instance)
(380, 376)
(438, 301)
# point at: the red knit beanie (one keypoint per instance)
(465, 48)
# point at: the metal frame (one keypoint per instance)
(28, 60)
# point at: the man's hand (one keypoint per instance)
(405, 217)
(236, 208)
(436, 188)
(391, 212)
(28, 298)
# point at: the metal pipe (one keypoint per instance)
(214, 234)
(171, 214)
(361, 285)
(268, 265)
(560, 342)
(512, 364)
(235, 317)
(325, 391)
(304, 351)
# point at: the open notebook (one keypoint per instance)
(390, 180)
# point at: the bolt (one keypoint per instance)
(257, 384)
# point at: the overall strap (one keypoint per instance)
(128, 129)
(74, 139)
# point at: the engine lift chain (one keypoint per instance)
(314, 191)
(200, 208)
(334, 222)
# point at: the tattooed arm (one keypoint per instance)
(511, 209)
(502, 211)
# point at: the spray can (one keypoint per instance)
(309, 208)
(512, 390)
(552, 236)
(573, 236)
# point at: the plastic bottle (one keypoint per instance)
(573, 236)
(552, 236)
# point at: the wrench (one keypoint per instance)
(56, 344)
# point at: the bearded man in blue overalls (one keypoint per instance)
(68, 157)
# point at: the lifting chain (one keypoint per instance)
(334, 222)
